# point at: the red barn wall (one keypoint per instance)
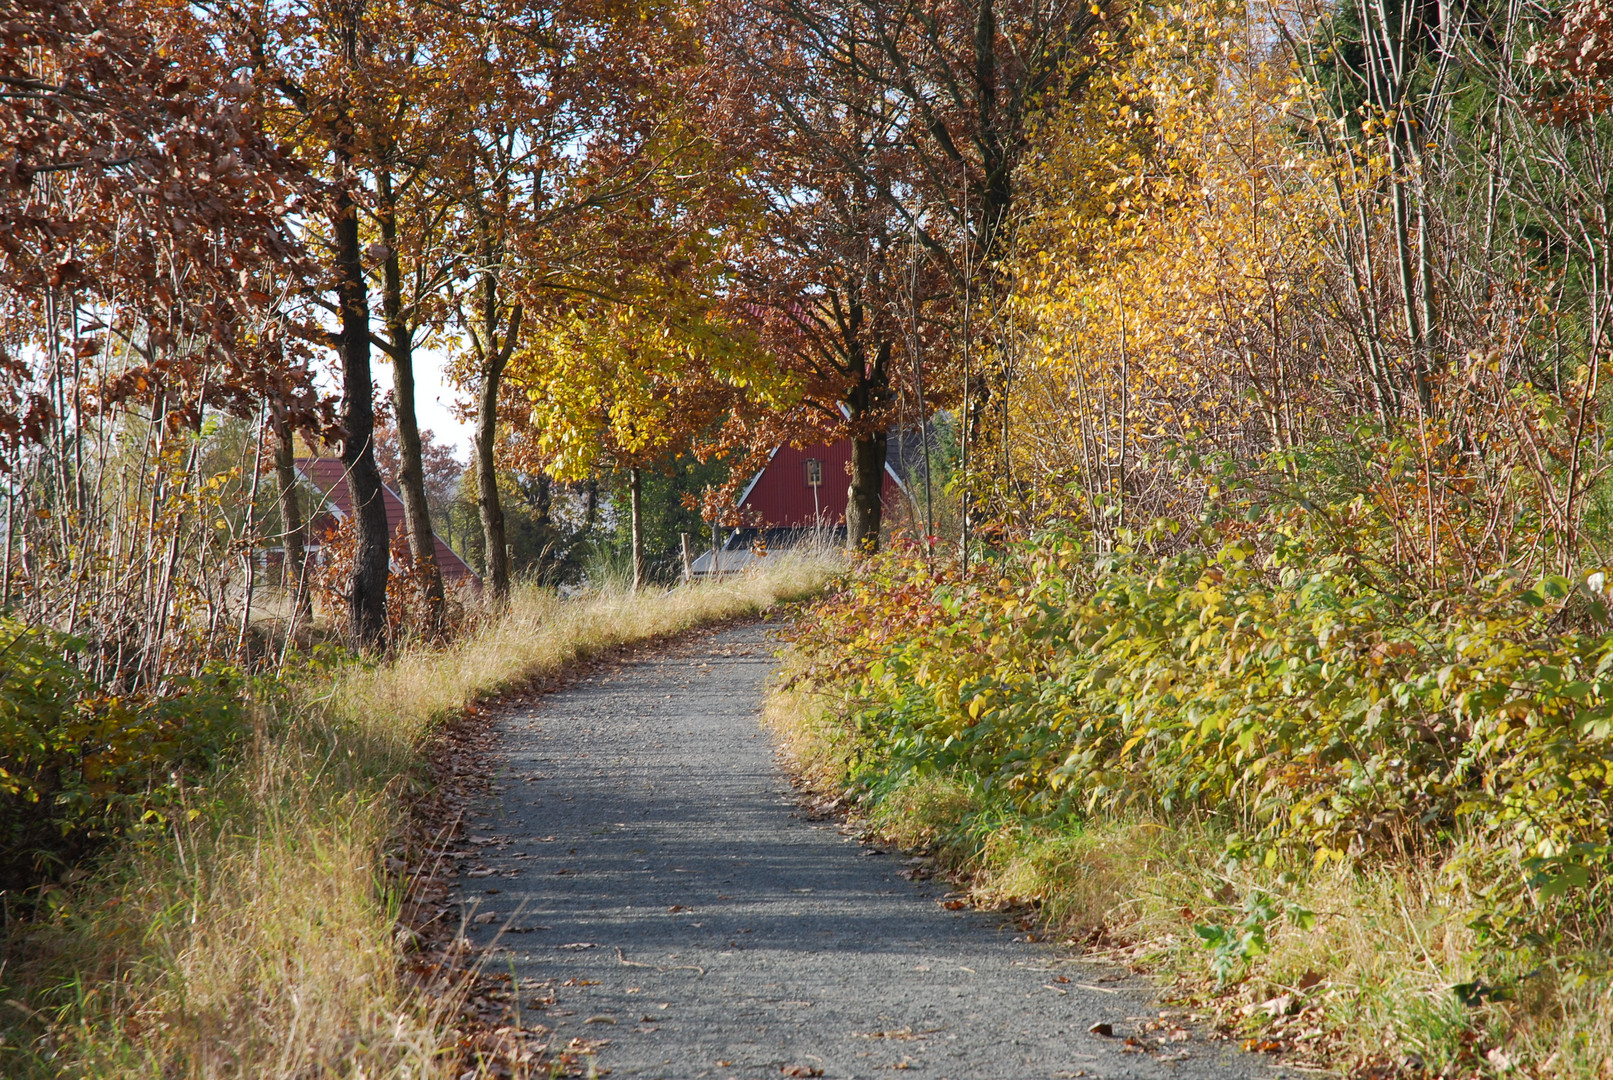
(329, 475)
(782, 498)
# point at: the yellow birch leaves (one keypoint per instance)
(1176, 233)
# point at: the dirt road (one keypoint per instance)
(655, 877)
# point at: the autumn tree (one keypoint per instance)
(146, 252)
(962, 83)
(566, 129)
(412, 205)
(640, 378)
(324, 70)
(835, 278)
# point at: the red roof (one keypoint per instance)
(329, 475)
(784, 496)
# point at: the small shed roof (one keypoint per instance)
(329, 477)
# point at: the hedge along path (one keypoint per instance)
(667, 910)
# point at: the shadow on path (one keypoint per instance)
(647, 861)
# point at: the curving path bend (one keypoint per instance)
(647, 875)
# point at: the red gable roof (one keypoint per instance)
(329, 475)
(783, 496)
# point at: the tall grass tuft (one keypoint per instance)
(251, 932)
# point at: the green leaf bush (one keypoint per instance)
(1289, 697)
(79, 764)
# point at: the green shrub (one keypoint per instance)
(1288, 697)
(78, 764)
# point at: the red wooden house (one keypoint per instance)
(801, 492)
(807, 488)
(328, 477)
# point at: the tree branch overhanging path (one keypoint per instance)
(647, 865)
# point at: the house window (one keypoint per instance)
(814, 472)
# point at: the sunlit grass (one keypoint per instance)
(253, 934)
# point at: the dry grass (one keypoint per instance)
(541, 632)
(1369, 986)
(254, 934)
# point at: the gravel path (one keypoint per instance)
(665, 903)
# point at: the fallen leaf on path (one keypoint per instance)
(1274, 1007)
(902, 1034)
(578, 945)
(600, 1020)
(954, 905)
(580, 982)
(1106, 1030)
(801, 1070)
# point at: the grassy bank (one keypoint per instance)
(1374, 971)
(1147, 761)
(250, 931)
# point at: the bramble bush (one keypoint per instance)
(1288, 696)
(79, 764)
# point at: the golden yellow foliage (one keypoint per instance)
(1179, 230)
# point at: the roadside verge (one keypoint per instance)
(254, 931)
(1373, 971)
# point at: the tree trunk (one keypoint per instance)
(863, 505)
(543, 508)
(487, 500)
(293, 568)
(412, 474)
(635, 491)
(366, 593)
(493, 351)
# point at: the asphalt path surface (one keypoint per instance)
(649, 877)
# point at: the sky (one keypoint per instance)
(434, 399)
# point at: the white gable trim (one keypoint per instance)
(328, 504)
(757, 479)
(901, 484)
